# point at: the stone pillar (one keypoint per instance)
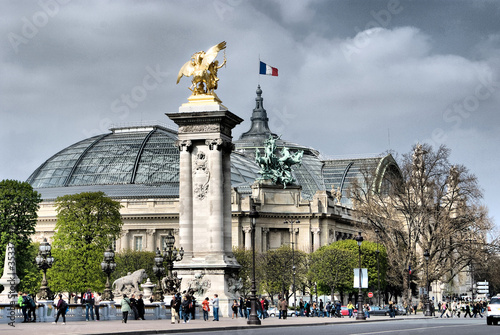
(265, 240)
(317, 241)
(150, 240)
(205, 221)
(185, 198)
(216, 204)
(248, 237)
(125, 239)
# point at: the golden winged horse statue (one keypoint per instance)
(203, 67)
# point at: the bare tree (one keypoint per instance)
(428, 204)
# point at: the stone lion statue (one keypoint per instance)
(133, 279)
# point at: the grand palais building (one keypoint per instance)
(138, 165)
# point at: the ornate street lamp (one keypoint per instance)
(378, 269)
(44, 261)
(171, 255)
(159, 272)
(361, 315)
(291, 222)
(108, 265)
(427, 301)
(253, 319)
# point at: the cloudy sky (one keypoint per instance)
(355, 77)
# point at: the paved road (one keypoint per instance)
(375, 325)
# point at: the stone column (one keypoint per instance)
(265, 240)
(150, 240)
(186, 198)
(317, 242)
(248, 237)
(125, 239)
(216, 195)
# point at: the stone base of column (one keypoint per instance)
(207, 281)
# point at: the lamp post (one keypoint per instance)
(159, 272)
(378, 270)
(44, 261)
(108, 265)
(253, 319)
(361, 315)
(427, 302)
(291, 222)
(171, 255)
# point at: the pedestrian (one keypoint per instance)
(242, 307)
(284, 308)
(280, 312)
(61, 307)
(307, 308)
(366, 309)
(350, 309)
(392, 312)
(185, 306)
(444, 309)
(215, 305)
(248, 306)
(321, 307)
(205, 305)
(97, 302)
(459, 309)
(301, 307)
(338, 309)
(235, 307)
(88, 300)
(175, 305)
(467, 311)
(126, 308)
(31, 308)
(21, 301)
(141, 309)
(133, 305)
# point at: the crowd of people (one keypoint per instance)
(456, 308)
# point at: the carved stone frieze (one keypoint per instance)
(201, 176)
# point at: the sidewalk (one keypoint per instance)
(164, 326)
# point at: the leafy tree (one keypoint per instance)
(18, 217)
(87, 223)
(277, 273)
(428, 204)
(133, 260)
(331, 267)
(33, 278)
(244, 258)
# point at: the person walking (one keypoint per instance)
(366, 309)
(61, 307)
(88, 300)
(242, 307)
(284, 308)
(215, 304)
(392, 312)
(21, 301)
(185, 308)
(175, 305)
(126, 308)
(133, 305)
(205, 305)
(467, 311)
(31, 308)
(97, 302)
(350, 309)
(141, 308)
(444, 309)
(234, 308)
(301, 307)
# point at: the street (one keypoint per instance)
(397, 327)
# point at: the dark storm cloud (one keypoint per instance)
(361, 76)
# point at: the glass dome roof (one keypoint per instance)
(128, 162)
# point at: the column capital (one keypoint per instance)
(265, 230)
(316, 231)
(247, 229)
(295, 230)
(184, 145)
(219, 144)
(150, 231)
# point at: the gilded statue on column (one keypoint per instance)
(203, 66)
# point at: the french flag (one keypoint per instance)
(268, 70)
